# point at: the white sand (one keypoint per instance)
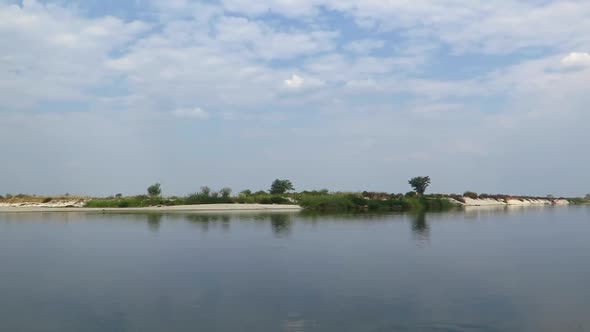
(56, 203)
(177, 208)
(511, 202)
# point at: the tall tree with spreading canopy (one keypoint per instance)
(281, 186)
(154, 190)
(420, 183)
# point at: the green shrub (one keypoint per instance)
(437, 204)
(470, 194)
(329, 203)
(457, 197)
(154, 190)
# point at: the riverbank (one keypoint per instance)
(176, 208)
(513, 201)
(310, 201)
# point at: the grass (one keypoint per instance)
(351, 202)
(313, 201)
(318, 201)
(191, 199)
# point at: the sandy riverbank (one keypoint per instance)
(176, 208)
(509, 202)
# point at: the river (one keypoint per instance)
(501, 269)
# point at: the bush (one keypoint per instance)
(154, 190)
(225, 192)
(470, 194)
(411, 194)
(123, 204)
(457, 197)
(436, 204)
(331, 203)
(47, 200)
(206, 196)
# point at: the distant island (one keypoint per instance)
(282, 196)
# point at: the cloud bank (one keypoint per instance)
(347, 94)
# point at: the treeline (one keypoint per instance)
(204, 196)
(320, 201)
(283, 192)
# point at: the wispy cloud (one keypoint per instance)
(404, 74)
(295, 81)
(576, 60)
(192, 113)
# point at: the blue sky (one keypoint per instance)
(102, 97)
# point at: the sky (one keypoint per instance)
(101, 97)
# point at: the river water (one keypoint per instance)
(507, 269)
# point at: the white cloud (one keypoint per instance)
(501, 26)
(576, 60)
(258, 39)
(364, 46)
(294, 82)
(291, 8)
(193, 113)
(50, 53)
(244, 64)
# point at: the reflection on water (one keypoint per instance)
(154, 220)
(481, 270)
(281, 224)
(420, 227)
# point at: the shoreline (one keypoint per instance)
(175, 208)
(481, 202)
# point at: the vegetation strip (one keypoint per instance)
(282, 192)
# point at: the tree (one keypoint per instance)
(281, 186)
(154, 190)
(205, 191)
(118, 196)
(225, 192)
(246, 192)
(420, 183)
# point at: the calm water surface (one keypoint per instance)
(480, 270)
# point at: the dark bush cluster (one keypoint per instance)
(470, 194)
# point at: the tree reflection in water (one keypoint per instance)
(206, 221)
(420, 228)
(281, 224)
(154, 220)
